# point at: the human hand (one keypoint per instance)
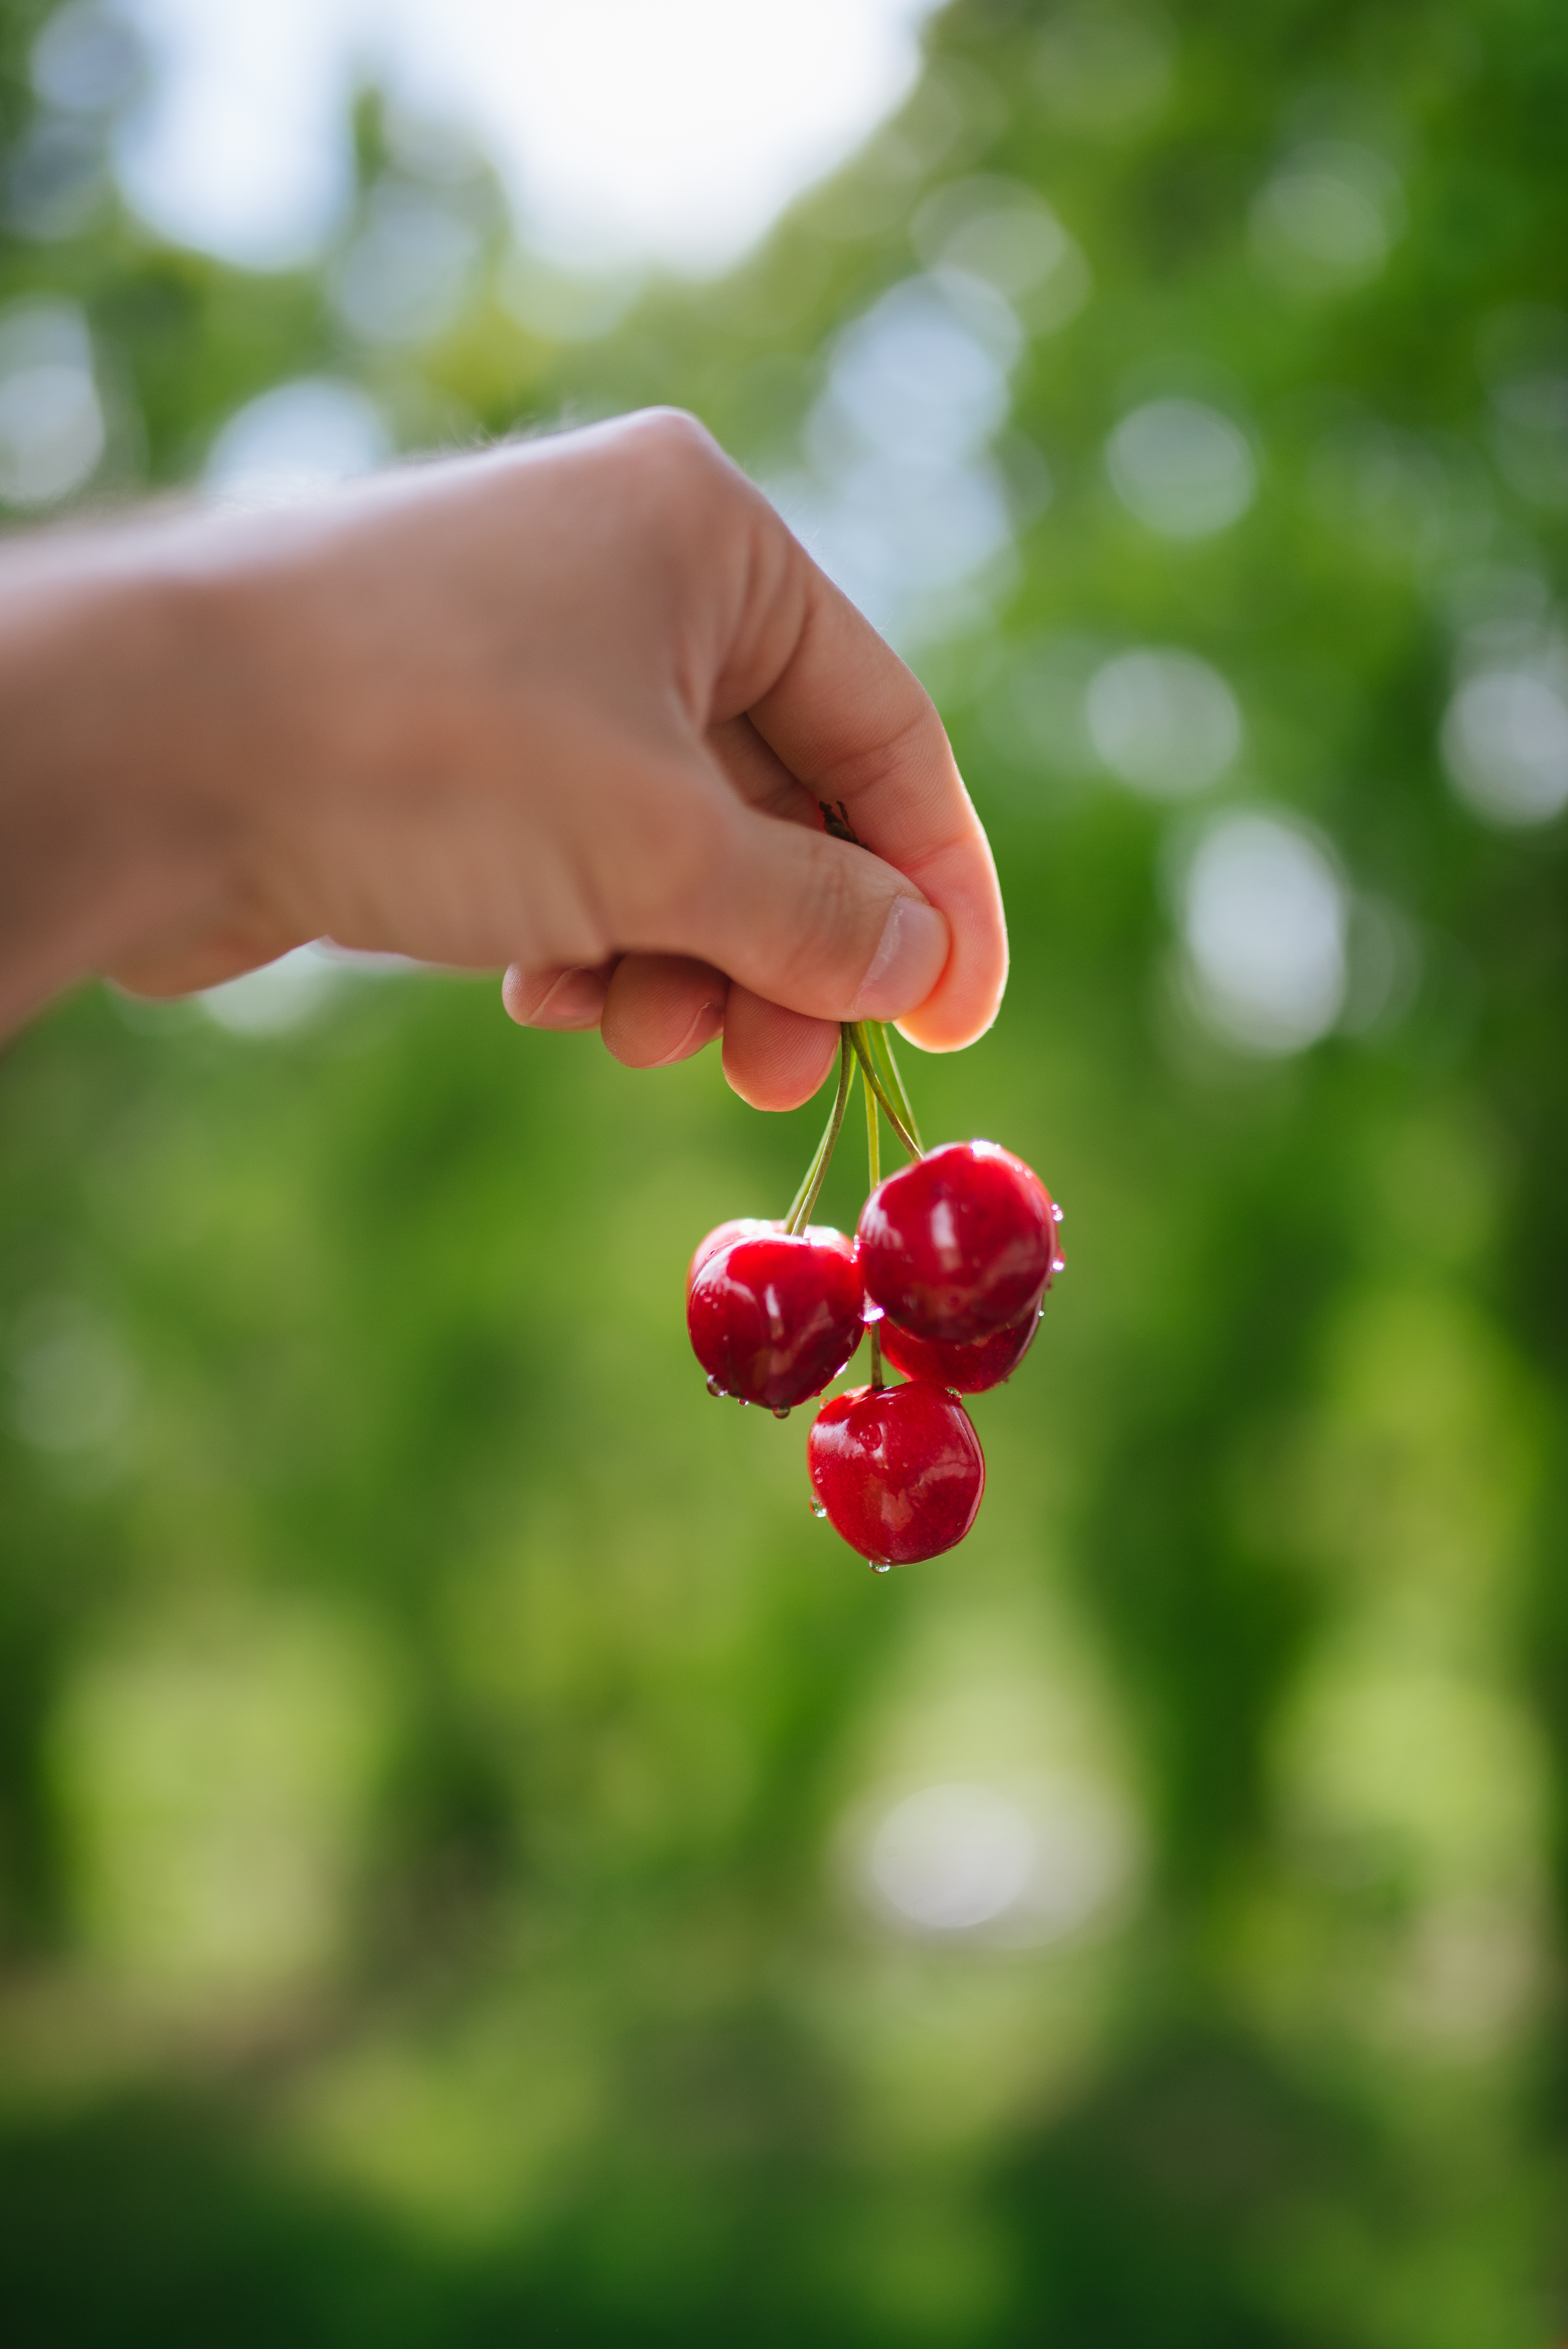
(568, 706)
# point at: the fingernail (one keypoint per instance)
(907, 965)
(575, 1001)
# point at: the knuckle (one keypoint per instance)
(672, 446)
(670, 485)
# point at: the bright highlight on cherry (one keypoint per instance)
(948, 1271)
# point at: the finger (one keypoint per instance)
(660, 1009)
(852, 723)
(759, 775)
(814, 923)
(774, 1058)
(761, 779)
(961, 878)
(191, 966)
(559, 998)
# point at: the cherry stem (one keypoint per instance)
(882, 1044)
(856, 1032)
(874, 1167)
(865, 1041)
(870, 1036)
(810, 1191)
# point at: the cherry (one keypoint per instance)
(969, 1365)
(959, 1243)
(898, 1470)
(739, 1228)
(775, 1315)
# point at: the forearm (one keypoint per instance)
(107, 833)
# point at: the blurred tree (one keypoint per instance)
(441, 1763)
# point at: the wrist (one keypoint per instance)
(111, 829)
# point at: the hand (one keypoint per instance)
(569, 705)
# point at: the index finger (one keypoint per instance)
(848, 719)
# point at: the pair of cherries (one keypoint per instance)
(948, 1267)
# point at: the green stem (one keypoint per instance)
(810, 1191)
(874, 1166)
(870, 1035)
(875, 1084)
(882, 1045)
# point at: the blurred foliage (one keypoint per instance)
(435, 1740)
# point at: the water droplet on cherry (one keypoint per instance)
(1056, 1211)
(1059, 1264)
(715, 1390)
(781, 1411)
(819, 1508)
(773, 1316)
(958, 1244)
(898, 1470)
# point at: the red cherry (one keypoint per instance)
(898, 1470)
(969, 1365)
(739, 1228)
(775, 1315)
(959, 1243)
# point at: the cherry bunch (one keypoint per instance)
(948, 1269)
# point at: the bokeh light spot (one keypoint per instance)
(1163, 721)
(1505, 744)
(289, 444)
(1006, 235)
(1264, 920)
(86, 60)
(52, 431)
(276, 998)
(903, 504)
(1328, 218)
(1183, 469)
(408, 274)
(621, 133)
(960, 1857)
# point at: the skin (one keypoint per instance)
(567, 707)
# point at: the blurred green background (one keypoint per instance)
(478, 1863)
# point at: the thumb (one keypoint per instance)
(815, 924)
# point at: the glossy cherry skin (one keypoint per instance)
(898, 1470)
(959, 1243)
(968, 1364)
(739, 1228)
(775, 1315)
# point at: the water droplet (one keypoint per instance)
(880, 1565)
(872, 1314)
(1041, 1315)
(781, 1411)
(744, 1402)
(1057, 1211)
(1059, 1264)
(819, 1508)
(714, 1389)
